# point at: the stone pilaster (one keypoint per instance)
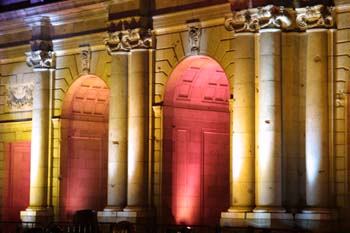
(138, 118)
(243, 131)
(317, 128)
(118, 133)
(41, 58)
(268, 174)
(128, 178)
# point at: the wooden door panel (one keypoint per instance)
(200, 166)
(85, 187)
(216, 175)
(15, 195)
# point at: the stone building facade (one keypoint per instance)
(185, 112)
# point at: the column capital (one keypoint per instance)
(41, 56)
(318, 16)
(125, 40)
(280, 17)
(254, 19)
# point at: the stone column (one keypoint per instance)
(117, 142)
(41, 59)
(138, 130)
(316, 121)
(118, 127)
(243, 126)
(292, 55)
(268, 174)
(39, 143)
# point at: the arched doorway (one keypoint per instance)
(196, 143)
(84, 146)
(16, 179)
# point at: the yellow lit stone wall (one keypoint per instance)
(341, 109)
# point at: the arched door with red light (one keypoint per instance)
(84, 147)
(196, 143)
(16, 180)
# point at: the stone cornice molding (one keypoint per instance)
(286, 19)
(125, 40)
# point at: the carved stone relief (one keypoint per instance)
(270, 16)
(42, 55)
(20, 96)
(126, 40)
(194, 36)
(85, 58)
(314, 17)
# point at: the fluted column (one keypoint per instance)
(41, 58)
(268, 173)
(242, 121)
(117, 142)
(316, 121)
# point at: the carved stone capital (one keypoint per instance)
(194, 36)
(42, 55)
(41, 59)
(126, 40)
(318, 16)
(252, 20)
(270, 16)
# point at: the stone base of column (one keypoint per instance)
(250, 219)
(269, 212)
(317, 214)
(270, 215)
(235, 213)
(33, 216)
(134, 215)
(109, 214)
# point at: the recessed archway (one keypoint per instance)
(196, 143)
(84, 146)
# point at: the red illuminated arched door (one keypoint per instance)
(196, 143)
(16, 179)
(84, 145)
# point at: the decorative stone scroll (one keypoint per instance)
(128, 39)
(287, 19)
(85, 58)
(314, 17)
(42, 55)
(194, 36)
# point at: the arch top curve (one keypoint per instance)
(198, 82)
(86, 99)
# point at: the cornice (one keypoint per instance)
(178, 21)
(49, 8)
